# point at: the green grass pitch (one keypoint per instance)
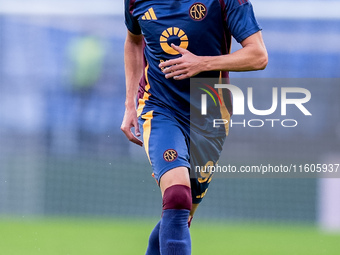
(114, 236)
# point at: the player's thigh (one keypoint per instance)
(167, 148)
(175, 176)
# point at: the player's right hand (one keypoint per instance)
(129, 121)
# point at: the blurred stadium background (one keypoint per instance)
(68, 173)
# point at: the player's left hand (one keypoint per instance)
(186, 66)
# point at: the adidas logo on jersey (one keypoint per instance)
(149, 15)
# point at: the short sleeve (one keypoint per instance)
(131, 22)
(241, 19)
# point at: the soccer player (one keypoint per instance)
(167, 42)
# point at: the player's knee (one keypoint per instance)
(177, 197)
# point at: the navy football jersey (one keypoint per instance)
(204, 27)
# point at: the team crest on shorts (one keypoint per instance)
(170, 155)
(198, 11)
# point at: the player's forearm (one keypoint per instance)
(133, 57)
(252, 56)
(249, 58)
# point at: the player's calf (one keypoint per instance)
(174, 231)
(153, 246)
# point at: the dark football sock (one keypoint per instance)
(153, 246)
(174, 235)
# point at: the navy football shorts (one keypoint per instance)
(169, 144)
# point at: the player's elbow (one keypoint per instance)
(258, 58)
(261, 60)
